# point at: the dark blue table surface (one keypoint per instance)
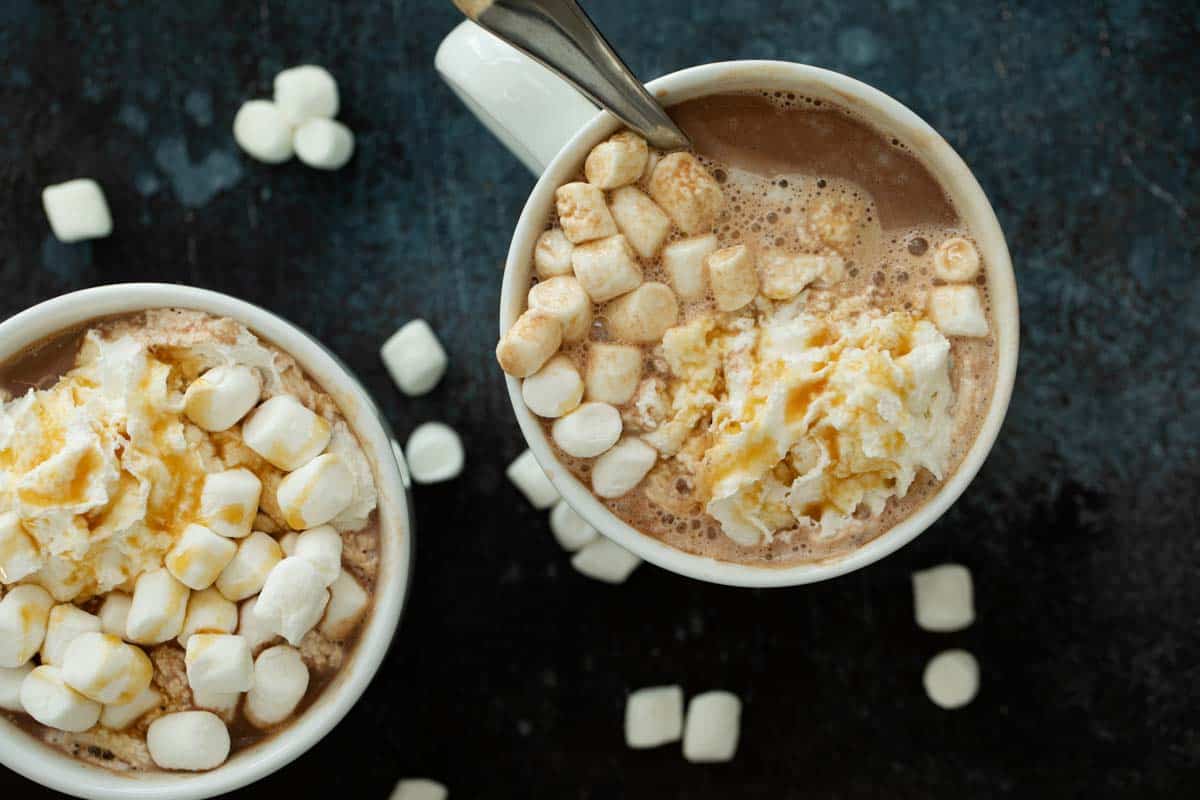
(509, 673)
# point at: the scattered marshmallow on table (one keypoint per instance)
(158, 608)
(188, 740)
(47, 698)
(606, 268)
(527, 475)
(119, 716)
(414, 358)
(347, 604)
(11, 679)
(103, 668)
(588, 431)
(684, 264)
(952, 679)
(654, 716)
(419, 789)
(617, 161)
(280, 681)
(529, 343)
(613, 372)
(621, 468)
(683, 188)
(582, 213)
(208, 611)
(24, 612)
(643, 315)
(253, 628)
(957, 311)
(552, 255)
(306, 92)
(317, 492)
(434, 453)
(292, 600)
(712, 728)
(286, 433)
(218, 399)
(262, 130)
(246, 573)
(198, 556)
(64, 623)
(943, 598)
(606, 561)
(321, 547)
(77, 210)
(644, 225)
(229, 502)
(18, 552)
(555, 389)
(956, 259)
(570, 530)
(563, 297)
(219, 662)
(732, 276)
(114, 613)
(323, 143)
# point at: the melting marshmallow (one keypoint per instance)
(262, 131)
(199, 556)
(529, 343)
(606, 268)
(246, 573)
(554, 390)
(527, 475)
(286, 433)
(47, 698)
(552, 255)
(292, 600)
(24, 612)
(587, 431)
(208, 612)
(956, 260)
(654, 716)
(11, 679)
(229, 502)
(784, 275)
(321, 547)
(957, 311)
(63, 625)
(317, 492)
(435, 453)
(280, 681)
(188, 740)
(583, 213)
(570, 530)
(943, 598)
(643, 315)
(639, 218)
(606, 561)
(114, 613)
(613, 372)
(323, 143)
(77, 210)
(952, 679)
(120, 716)
(218, 399)
(19, 555)
(158, 608)
(712, 729)
(414, 358)
(620, 469)
(564, 298)
(103, 668)
(732, 277)
(684, 264)
(219, 663)
(347, 604)
(305, 92)
(691, 197)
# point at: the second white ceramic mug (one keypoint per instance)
(551, 128)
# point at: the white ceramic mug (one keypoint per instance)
(551, 128)
(22, 753)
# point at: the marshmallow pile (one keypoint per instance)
(298, 121)
(943, 601)
(654, 716)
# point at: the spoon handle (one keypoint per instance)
(559, 34)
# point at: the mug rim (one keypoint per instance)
(953, 176)
(46, 765)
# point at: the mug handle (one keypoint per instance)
(532, 111)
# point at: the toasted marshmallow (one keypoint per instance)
(347, 604)
(286, 433)
(114, 613)
(255, 630)
(77, 210)
(639, 218)
(323, 143)
(317, 492)
(188, 740)
(322, 547)
(527, 475)
(943, 598)
(229, 502)
(158, 608)
(956, 260)
(198, 557)
(529, 343)
(208, 612)
(643, 315)
(293, 599)
(120, 716)
(219, 662)
(280, 681)
(732, 277)
(218, 399)
(785, 275)
(246, 573)
(414, 358)
(305, 92)
(46, 697)
(833, 221)
(60, 578)
(263, 132)
(952, 679)
(588, 431)
(582, 212)
(957, 311)
(103, 668)
(712, 729)
(552, 255)
(24, 612)
(606, 561)
(64, 623)
(19, 556)
(570, 530)
(435, 453)
(554, 390)
(11, 679)
(654, 716)
(684, 263)
(691, 197)
(620, 469)
(613, 372)
(564, 298)
(606, 268)
(419, 789)
(617, 161)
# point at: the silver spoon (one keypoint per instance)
(559, 35)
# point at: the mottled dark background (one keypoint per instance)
(509, 673)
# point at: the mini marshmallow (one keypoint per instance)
(435, 453)
(691, 197)
(158, 608)
(639, 218)
(419, 789)
(785, 275)
(617, 161)
(77, 210)
(529, 343)
(280, 681)
(347, 604)
(620, 469)
(287, 543)
(606, 268)
(583, 213)
(19, 556)
(64, 623)
(219, 662)
(292, 600)
(114, 612)
(47, 698)
(60, 578)
(732, 277)
(323, 143)
(223, 704)
(414, 358)
(229, 502)
(188, 740)
(218, 399)
(208, 612)
(957, 311)
(834, 222)
(286, 433)
(570, 530)
(24, 612)
(684, 263)
(952, 679)
(317, 492)
(943, 598)
(263, 132)
(527, 475)
(605, 561)
(103, 668)
(712, 729)
(552, 255)
(305, 92)
(554, 390)
(246, 573)
(198, 557)
(255, 630)
(588, 431)
(120, 716)
(564, 298)
(322, 547)
(654, 716)
(643, 315)
(956, 260)
(613, 372)
(11, 679)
